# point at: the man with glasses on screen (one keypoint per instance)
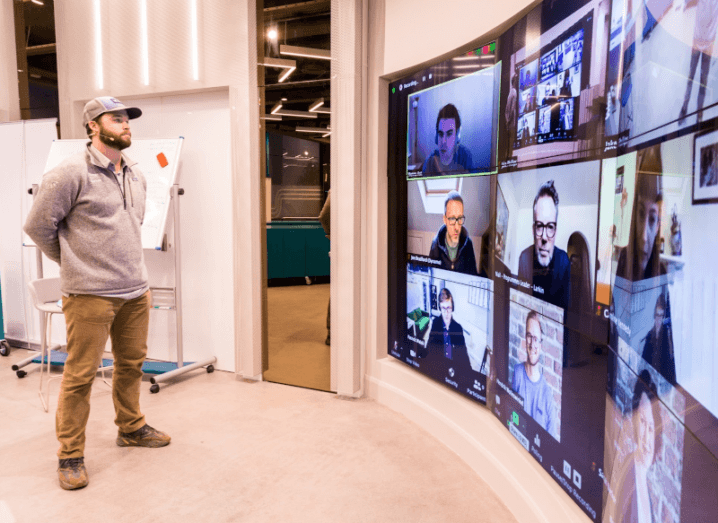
(543, 265)
(446, 347)
(450, 157)
(452, 245)
(528, 380)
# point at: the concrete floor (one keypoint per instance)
(241, 451)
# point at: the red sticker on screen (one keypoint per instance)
(162, 159)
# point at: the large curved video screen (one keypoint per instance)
(553, 194)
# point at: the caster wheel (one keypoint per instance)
(210, 369)
(154, 389)
(21, 374)
(4, 348)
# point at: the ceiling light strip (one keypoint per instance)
(144, 45)
(320, 130)
(194, 30)
(305, 52)
(284, 75)
(99, 75)
(317, 104)
(296, 114)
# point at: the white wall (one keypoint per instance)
(109, 58)
(402, 34)
(221, 276)
(24, 146)
(419, 30)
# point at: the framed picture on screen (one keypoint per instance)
(705, 168)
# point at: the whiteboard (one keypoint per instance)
(159, 179)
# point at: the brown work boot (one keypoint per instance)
(72, 473)
(143, 437)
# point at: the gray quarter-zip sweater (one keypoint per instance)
(84, 219)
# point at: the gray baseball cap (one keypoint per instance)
(105, 104)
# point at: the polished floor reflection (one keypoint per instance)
(297, 330)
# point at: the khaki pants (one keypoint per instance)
(90, 320)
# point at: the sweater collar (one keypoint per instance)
(100, 160)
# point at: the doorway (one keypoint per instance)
(295, 91)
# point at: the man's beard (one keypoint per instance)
(113, 140)
(542, 261)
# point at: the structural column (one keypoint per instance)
(249, 229)
(347, 165)
(9, 96)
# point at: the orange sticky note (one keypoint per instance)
(162, 159)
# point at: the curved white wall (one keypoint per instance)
(402, 34)
(419, 30)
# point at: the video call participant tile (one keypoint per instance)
(546, 80)
(448, 220)
(547, 385)
(665, 277)
(449, 327)
(653, 41)
(450, 130)
(643, 463)
(547, 220)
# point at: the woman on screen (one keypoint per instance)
(633, 502)
(640, 259)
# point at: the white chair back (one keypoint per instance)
(44, 291)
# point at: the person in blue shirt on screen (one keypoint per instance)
(450, 157)
(529, 382)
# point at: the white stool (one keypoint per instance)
(46, 294)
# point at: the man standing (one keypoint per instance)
(528, 381)
(544, 265)
(452, 245)
(325, 220)
(511, 113)
(450, 157)
(87, 217)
